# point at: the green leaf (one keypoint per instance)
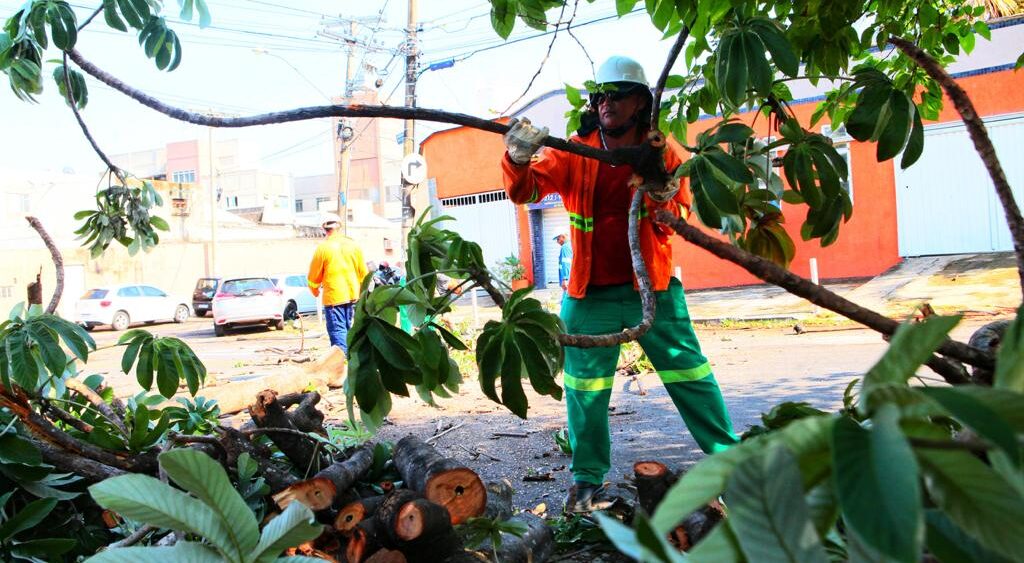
(1010, 361)
(720, 546)
(167, 376)
(643, 544)
(512, 394)
(947, 542)
(182, 551)
(978, 416)
(731, 68)
(503, 16)
(729, 165)
(51, 548)
(131, 353)
(144, 369)
(778, 46)
(767, 509)
(910, 346)
(204, 14)
(159, 223)
(150, 501)
(32, 514)
(877, 484)
(15, 449)
(717, 193)
(915, 144)
(863, 121)
(74, 336)
(976, 498)
(574, 96)
(807, 439)
(200, 475)
(623, 7)
(759, 70)
(894, 136)
(732, 133)
(292, 527)
(111, 17)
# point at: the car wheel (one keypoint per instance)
(120, 321)
(291, 311)
(89, 327)
(200, 313)
(219, 330)
(181, 314)
(278, 324)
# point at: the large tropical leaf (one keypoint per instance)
(182, 551)
(767, 509)
(292, 527)
(1010, 362)
(877, 484)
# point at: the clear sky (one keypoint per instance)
(300, 65)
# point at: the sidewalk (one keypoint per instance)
(974, 284)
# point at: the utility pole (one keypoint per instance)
(345, 133)
(409, 140)
(213, 205)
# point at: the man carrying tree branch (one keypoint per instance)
(602, 295)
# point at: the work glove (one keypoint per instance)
(664, 193)
(523, 140)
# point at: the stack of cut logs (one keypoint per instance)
(653, 479)
(413, 523)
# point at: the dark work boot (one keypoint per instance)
(584, 498)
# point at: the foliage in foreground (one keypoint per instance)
(898, 471)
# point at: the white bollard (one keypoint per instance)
(679, 273)
(814, 270)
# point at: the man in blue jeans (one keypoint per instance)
(338, 269)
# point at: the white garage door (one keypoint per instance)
(553, 221)
(487, 219)
(946, 203)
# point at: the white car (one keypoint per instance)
(298, 299)
(121, 305)
(247, 301)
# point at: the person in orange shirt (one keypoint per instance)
(601, 295)
(337, 270)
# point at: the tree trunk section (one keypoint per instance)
(387, 515)
(425, 532)
(534, 546)
(441, 480)
(499, 500)
(327, 486)
(387, 556)
(653, 480)
(697, 525)
(305, 415)
(365, 541)
(267, 412)
(355, 512)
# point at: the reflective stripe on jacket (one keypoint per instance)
(337, 267)
(573, 177)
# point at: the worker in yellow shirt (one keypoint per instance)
(337, 269)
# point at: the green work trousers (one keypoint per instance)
(672, 348)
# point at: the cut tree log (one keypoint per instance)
(355, 512)
(466, 557)
(653, 479)
(303, 452)
(387, 556)
(366, 539)
(387, 515)
(425, 532)
(534, 546)
(441, 480)
(499, 500)
(305, 415)
(697, 525)
(328, 486)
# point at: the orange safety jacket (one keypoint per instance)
(338, 267)
(573, 177)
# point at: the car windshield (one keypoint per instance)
(95, 294)
(247, 286)
(206, 284)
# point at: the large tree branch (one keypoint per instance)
(982, 143)
(97, 401)
(659, 89)
(772, 273)
(317, 112)
(58, 263)
(85, 130)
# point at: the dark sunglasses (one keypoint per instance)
(617, 95)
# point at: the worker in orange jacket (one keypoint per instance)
(602, 297)
(337, 270)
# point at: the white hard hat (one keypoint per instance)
(621, 69)
(561, 233)
(330, 219)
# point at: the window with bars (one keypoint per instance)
(183, 176)
(474, 199)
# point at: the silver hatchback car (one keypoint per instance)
(247, 302)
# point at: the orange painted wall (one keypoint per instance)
(466, 161)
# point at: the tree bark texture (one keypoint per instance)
(653, 480)
(267, 412)
(387, 556)
(774, 274)
(441, 480)
(58, 264)
(537, 544)
(982, 142)
(499, 500)
(330, 484)
(697, 525)
(367, 539)
(387, 514)
(235, 444)
(67, 462)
